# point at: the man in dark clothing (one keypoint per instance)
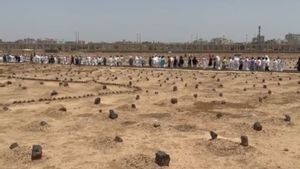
(190, 62)
(150, 61)
(104, 61)
(298, 65)
(195, 62)
(210, 61)
(169, 61)
(72, 60)
(175, 61)
(181, 61)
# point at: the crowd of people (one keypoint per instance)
(236, 62)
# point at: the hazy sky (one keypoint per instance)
(159, 20)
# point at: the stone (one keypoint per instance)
(54, 93)
(156, 124)
(66, 84)
(137, 97)
(219, 115)
(175, 88)
(113, 114)
(244, 141)
(287, 118)
(43, 123)
(133, 106)
(257, 126)
(13, 145)
(97, 100)
(118, 139)
(62, 109)
(213, 135)
(36, 152)
(162, 158)
(195, 95)
(174, 101)
(5, 108)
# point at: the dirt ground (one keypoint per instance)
(82, 136)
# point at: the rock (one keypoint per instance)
(257, 126)
(221, 94)
(8, 82)
(97, 100)
(54, 93)
(174, 101)
(133, 106)
(156, 124)
(36, 152)
(162, 158)
(175, 88)
(196, 86)
(260, 99)
(287, 118)
(269, 92)
(13, 145)
(219, 115)
(137, 97)
(195, 95)
(43, 123)
(2, 85)
(104, 87)
(118, 139)
(265, 86)
(213, 135)
(66, 84)
(244, 141)
(113, 114)
(62, 109)
(5, 108)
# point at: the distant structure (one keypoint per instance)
(293, 39)
(221, 41)
(215, 45)
(260, 39)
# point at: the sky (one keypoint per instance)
(155, 20)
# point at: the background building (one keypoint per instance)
(260, 39)
(293, 39)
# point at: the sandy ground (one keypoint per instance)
(83, 136)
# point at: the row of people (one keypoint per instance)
(156, 61)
